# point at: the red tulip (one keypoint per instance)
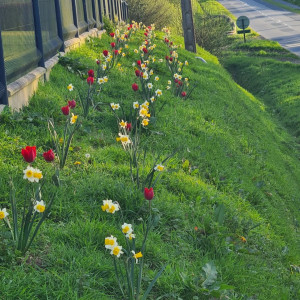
(171, 43)
(116, 52)
(65, 110)
(113, 45)
(183, 94)
(126, 36)
(137, 73)
(98, 62)
(139, 62)
(179, 82)
(29, 153)
(135, 87)
(146, 34)
(90, 80)
(72, 103)
(49, 155)
(91, 73)
(105, 52)
(171, 58)
(148, 193)
(145, 50)
(176, 80)
(128, 28)
(112, 34)
(167, 57)
(128, 126)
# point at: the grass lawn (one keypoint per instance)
(229, 198)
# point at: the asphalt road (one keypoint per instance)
(272, 22)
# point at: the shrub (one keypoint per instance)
(212, 31)
(161, 13)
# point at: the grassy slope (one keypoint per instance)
(257, 66)
(237, 155)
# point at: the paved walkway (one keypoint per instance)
(272, 22)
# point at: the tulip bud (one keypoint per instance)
(148, 193)
(49, 155)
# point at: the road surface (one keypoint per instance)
(272, 22)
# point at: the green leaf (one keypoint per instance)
(210, 274)
(220, 214)
(153, 282)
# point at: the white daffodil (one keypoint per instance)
(127, 228)
(110, 242)
(136, 105)
(159, 168)
(117, 251)
(40, 206)
(3, 213)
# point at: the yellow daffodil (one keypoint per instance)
(77, 163)
(144, 113)
(73, 119)
(137, 256)
(150, 85)
(70, 87)
(145, 122)
(152, 99)
(156, 78)
(105, 78)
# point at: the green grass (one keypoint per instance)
(287, 7)
(271, 73)
(232, 152)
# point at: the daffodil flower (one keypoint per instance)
(127, 228)
(110, 242)
(40, 206)
(159, 168)
(3, 213)
(117, 251)
(137, 256)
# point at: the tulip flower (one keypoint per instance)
(105, 52)
(148, 193)
(128, 126)
(112, 34)
(113, 45)
(139, 62)
(135, 87)
(91, 73)
(49, 155)
(90, 80)
(183, 94)
(65, 110)
(29, 153)
(137, 73)
(72, 103)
